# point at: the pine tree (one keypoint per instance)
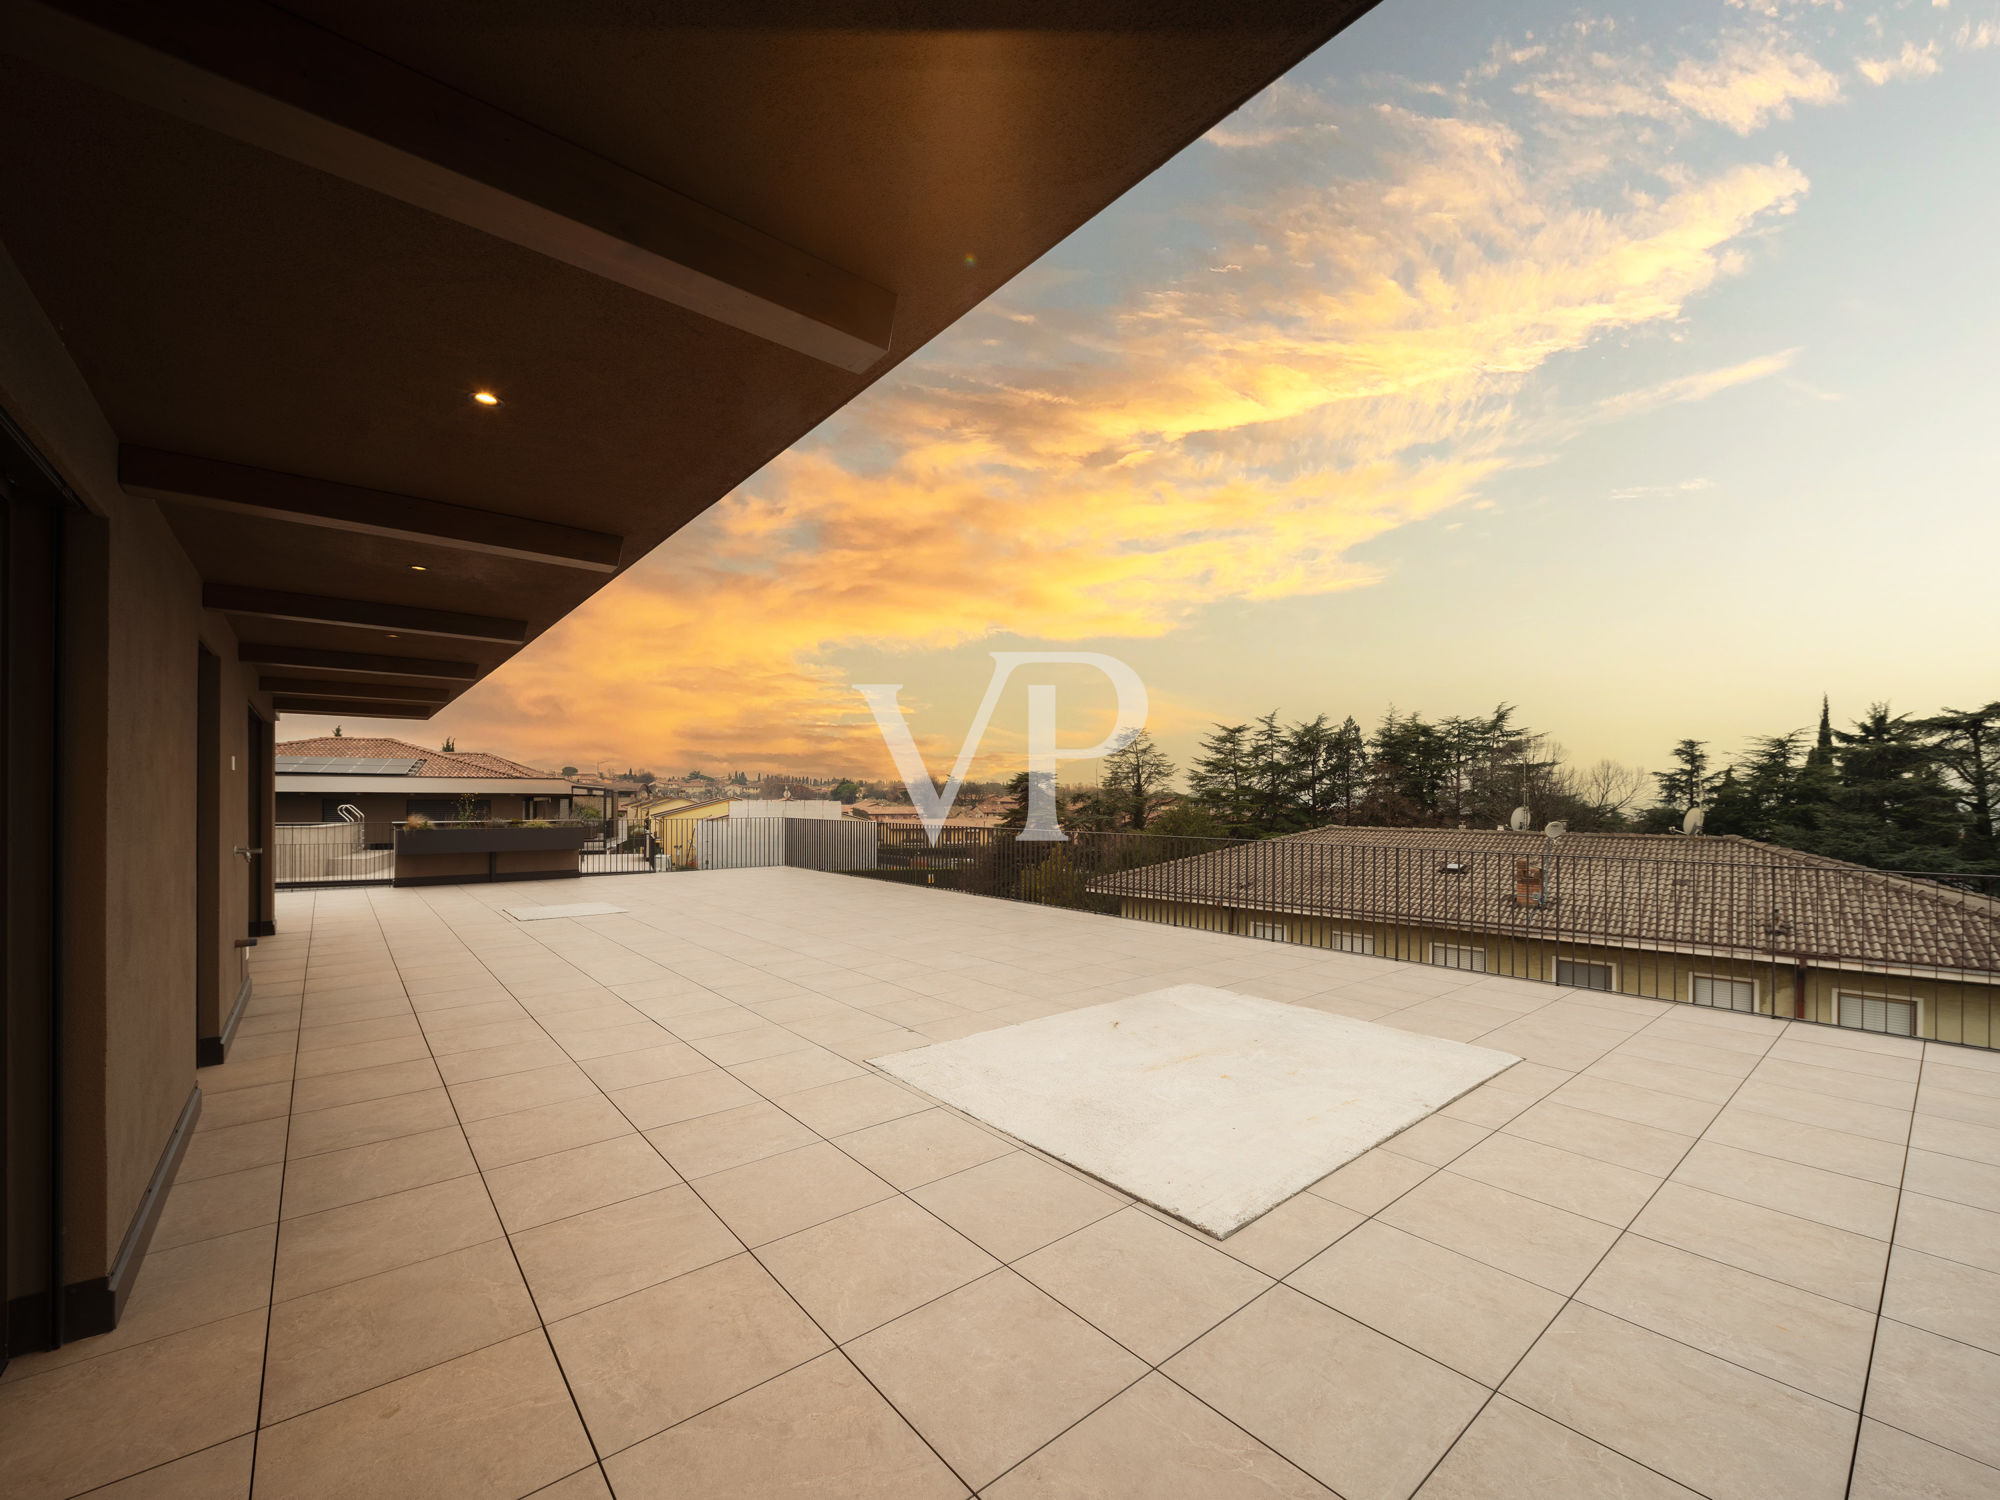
(1966, 743)
(1220, 777)
(1688, 783)
(1135, 778)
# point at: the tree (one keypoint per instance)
(1135, 778)
(1893, 807)
(1220, 777)
(1686, 786)
(846, 791)
(568, 770)
(1966, 742)
(336, 731)
(448, 746)
(1186, 819)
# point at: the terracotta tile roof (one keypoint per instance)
(1653, 890)
(457, 763)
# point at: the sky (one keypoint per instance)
(1635, 366)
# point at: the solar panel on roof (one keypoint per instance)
(335, 765)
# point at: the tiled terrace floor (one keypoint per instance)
(572, 1208)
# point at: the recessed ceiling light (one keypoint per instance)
(418, 568)
(486, 398)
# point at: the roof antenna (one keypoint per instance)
(1521, 819)
(1692, 824)
(1555, 831)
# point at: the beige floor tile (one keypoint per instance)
(1436, 1140)
(1153, 1288)
(1664, 1078)
(1583, 1185)
(584, 1484)
(715, 1021)
(446, 1041)
(1955, 1231)
(209, 1206)
(363, 1124)
(483, 1098)
(790, 1072)
(493, 1062)
(361, 1055)
(1372, 1181)
(494, 1422)
(1624, 1143)
(1811, 1342)
(331, 1090)
(254, 1062)
(733, 1047)
(1637, 1104)
(1810, 1145)
(1960, 1138)
(235, 1148)
(916, 1149)
(1845, 1113)
(854, 1104)
(317, 1251)
(1014, 1203)
(859, 1271)
(1834, 1263)
(637, 1035)
(1943, 1296)
(1809, 1192)
(218, 1473)
(318, 1183)
(102, 1419)
(1719, 1429)
(817, 1430)
(1937, 1389)
(1153, 1441)
(502, 1140)
(730, 1138)
(647, 1361)
(365, 1333)
(1537, 1242)
(552, 1187)
(783, 1194)
(1461, 1312)
(243, 1106)
(1893, 1093)
(671, 1100)
(1892, 1465)
(1512, 1453)
(624, 1070)
(1361, 1413)
(590, 1258)
(1976, 1108)
(991, 1372)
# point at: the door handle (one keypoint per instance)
(248, 853)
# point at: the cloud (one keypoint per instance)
(1750, 82)
(1098, 454)
(1749, 79)
(1662, 491)
(1912, 62)
(1697, 387)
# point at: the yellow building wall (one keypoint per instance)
(1947, 1010)
(673, 829)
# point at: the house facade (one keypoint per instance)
(1723, 922)
(390, 780)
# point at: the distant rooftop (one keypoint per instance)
(355, 755)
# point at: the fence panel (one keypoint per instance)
(308, 854)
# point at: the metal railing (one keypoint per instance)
(1700, 922)
(348, 852)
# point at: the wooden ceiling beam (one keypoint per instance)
(404, 619)
(282, 83)
(326, 687)
(215, 485)
(372, 663)
(353, 708)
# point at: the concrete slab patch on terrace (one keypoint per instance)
(625, 1210)
(1212, 1106)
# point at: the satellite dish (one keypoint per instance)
(1556, 830)
(1521, 819)
(1691, 825)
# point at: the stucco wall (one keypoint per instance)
(132, 623)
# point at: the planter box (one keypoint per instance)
(449, 856)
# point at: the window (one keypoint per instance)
(1879, 1013)
(1585, 976)
(1353, 942)
(1723, 994)
(1447, 956)
(1271, 932)
(446, 809)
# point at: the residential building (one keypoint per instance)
(388, 780)
(1724, 922)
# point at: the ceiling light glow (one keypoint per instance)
(486, 398)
